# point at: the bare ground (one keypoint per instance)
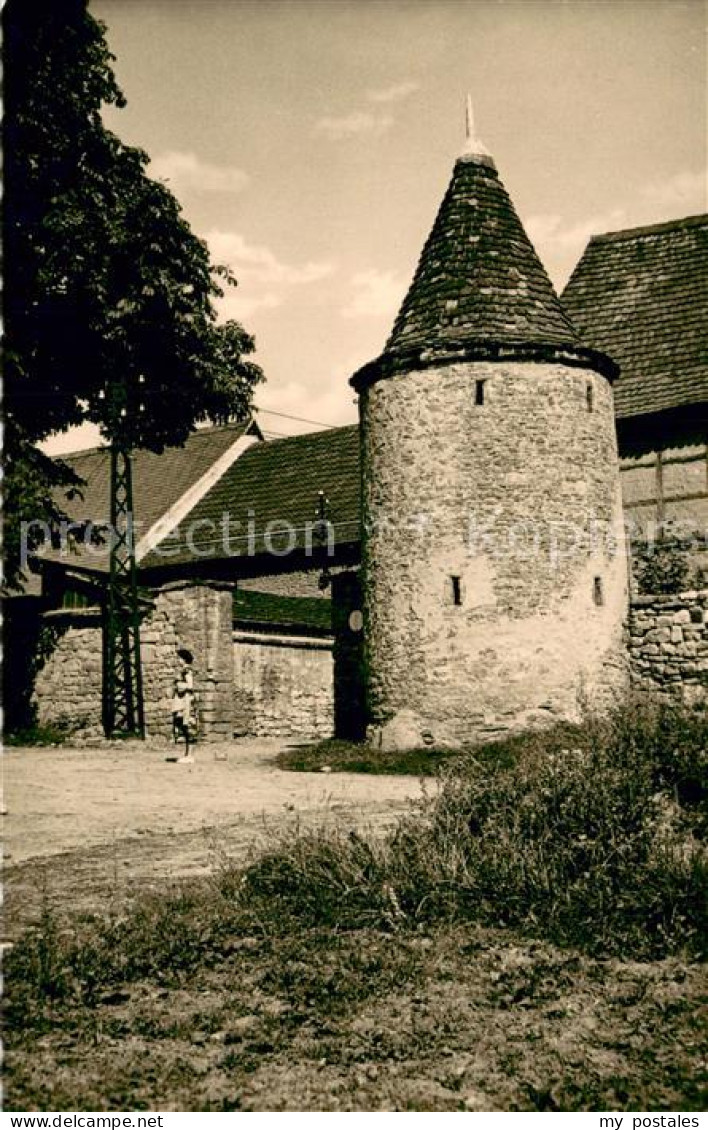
(84, 826)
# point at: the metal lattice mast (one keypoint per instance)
(123, 710)
(321, 535)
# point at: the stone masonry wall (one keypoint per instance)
(67, 690)
(283, 686)
(491, 604)
(199, 617)
(669, 645)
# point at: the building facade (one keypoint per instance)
(642, 296)
(469, 578)
(491, 504)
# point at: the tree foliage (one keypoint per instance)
(109, 309)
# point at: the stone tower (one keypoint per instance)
(493, 564)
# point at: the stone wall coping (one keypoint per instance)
(670, 600)
(194, 583)
(695, 542)
(74, 616)
(302, 643)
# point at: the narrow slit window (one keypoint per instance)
(456, 589)
(479, 392)
(598, 594)
(590, 397)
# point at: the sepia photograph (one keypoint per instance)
(355, 569)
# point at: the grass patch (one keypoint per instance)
(338, 756)
(452, 1019)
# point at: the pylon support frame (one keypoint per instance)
(123, 707)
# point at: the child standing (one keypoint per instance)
(184, 708)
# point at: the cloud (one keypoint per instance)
(357, 123)
(241, 306)
(549, 232)
(681, 194)
(188, 172)
(263, 278)
(685, 191)
(394, 93)
(258, 264)
(377, 294)
(540, 229)
(361, 122)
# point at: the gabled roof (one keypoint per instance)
(273, 487)
(159, 482)
(642, 296)
(480, 290)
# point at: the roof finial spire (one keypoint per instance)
(473, 147)
(469, 119)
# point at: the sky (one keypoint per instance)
(310, 143)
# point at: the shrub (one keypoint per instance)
(662, 569)
(59, 732)
(599, 845)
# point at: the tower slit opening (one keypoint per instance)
(589, 397)
(598, 593)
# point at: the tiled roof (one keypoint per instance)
(479, 276)
(271, 483)
(642, 297)
(480, 290)
(159, 481)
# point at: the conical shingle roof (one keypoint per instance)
(479, 276)
(480, 289)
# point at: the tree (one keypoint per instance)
(105, 283)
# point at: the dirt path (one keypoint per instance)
(87, 826)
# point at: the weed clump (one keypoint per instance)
(601, 844)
